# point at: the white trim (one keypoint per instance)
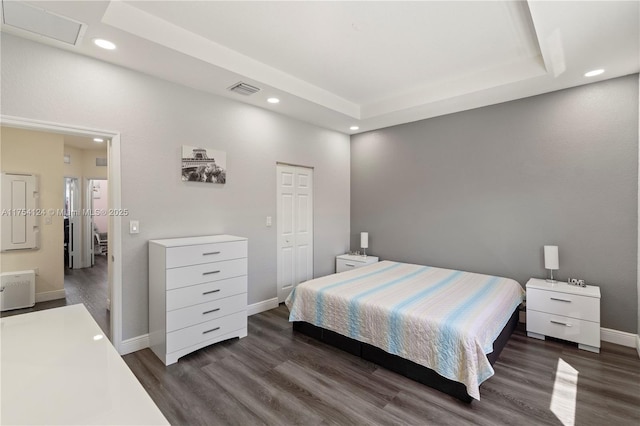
(45, 296)
(265, 305)
(114, 239)
(638, 345)
(618, 337)
(134, 344)
(115, 202)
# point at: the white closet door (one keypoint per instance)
(295, 227)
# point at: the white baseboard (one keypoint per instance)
(618, 337)
(265, 305)
(638, 344)
(45, 296)
(134, 344)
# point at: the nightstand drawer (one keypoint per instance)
(345, 265)
(565, 304)
(561, 327)
(346, 262)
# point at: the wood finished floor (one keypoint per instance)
(275, 376)
(86, 285)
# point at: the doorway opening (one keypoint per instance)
(113, 257)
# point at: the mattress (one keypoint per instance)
(442, 319)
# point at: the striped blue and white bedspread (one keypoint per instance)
(442, 319)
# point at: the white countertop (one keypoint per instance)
(56, 367)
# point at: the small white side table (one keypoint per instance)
(346, 262)
(565, 312)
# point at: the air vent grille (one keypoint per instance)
(244, 89)
(26, 17)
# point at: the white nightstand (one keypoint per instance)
(564, 311)
(345, 262)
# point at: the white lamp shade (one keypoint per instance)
(551, 260)
(364, 240)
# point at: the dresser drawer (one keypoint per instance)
(202, 293)
(197, 274)
(565, 304)
(205, 331)
(205, 253)
(185, 317)
(561, 327)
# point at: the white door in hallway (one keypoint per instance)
(295, 227)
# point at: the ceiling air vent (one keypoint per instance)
(244, 89)
(43, 23)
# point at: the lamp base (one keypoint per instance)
(551, 279)
(364, 252)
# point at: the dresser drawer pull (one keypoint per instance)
(211, 311)
(210, 273)
(560, 323)
(561, 300)
(210, 253)
(349, 264)
(209, 292)
(209, 331)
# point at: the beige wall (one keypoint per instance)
(89, 168)
(83, 163)
(38, 153)
(74, 168)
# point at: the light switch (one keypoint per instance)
(134, 227)
(268, 220)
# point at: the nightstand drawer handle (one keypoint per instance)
(209, 331)
(210, 273)
(561, 300)
(560, 323)
(211, 311)
(349, 264)
(209, 292)
(210, 253)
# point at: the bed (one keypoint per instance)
(442, 327)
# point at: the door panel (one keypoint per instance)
(295, 227)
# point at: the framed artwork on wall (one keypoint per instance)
(203, 165)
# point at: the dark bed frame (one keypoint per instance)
(403, 366)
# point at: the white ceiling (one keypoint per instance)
(370, 64)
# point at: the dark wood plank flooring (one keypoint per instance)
(88, 286)
(275, 376)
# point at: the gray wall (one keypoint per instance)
(155, 119)
(483, 190)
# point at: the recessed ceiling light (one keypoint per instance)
(98, 140)
(105, 44)
(273, 100)
(594, 73)
(354, 128)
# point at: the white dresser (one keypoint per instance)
(197, 293)
(564, 311)
(346, 262)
